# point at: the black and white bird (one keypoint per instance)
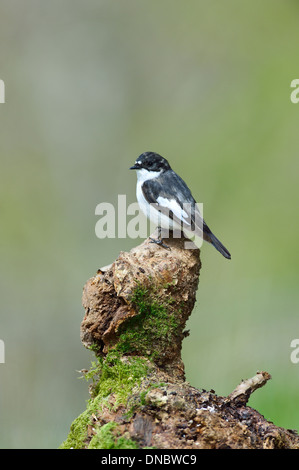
(167, 201)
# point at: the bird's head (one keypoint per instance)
(152, 162)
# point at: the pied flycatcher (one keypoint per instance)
(167, 201)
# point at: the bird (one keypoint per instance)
(167, 201)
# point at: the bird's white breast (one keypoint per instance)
(142, 176)
(153, 214)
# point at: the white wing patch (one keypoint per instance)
(172, 205)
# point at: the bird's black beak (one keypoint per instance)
(134, 167)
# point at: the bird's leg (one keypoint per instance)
(159, 240)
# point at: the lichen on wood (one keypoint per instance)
(135, 316)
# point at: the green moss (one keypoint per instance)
(116, 374)
(111, 375)
(152, 330)
(109, 437)
(78, 431)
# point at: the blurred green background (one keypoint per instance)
(92, 84)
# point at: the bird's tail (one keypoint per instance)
(218, 245)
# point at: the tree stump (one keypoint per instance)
(135, 315)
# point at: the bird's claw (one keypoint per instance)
(159, 241)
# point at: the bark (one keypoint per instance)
(135, 315)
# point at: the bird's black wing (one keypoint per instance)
(170, 195)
